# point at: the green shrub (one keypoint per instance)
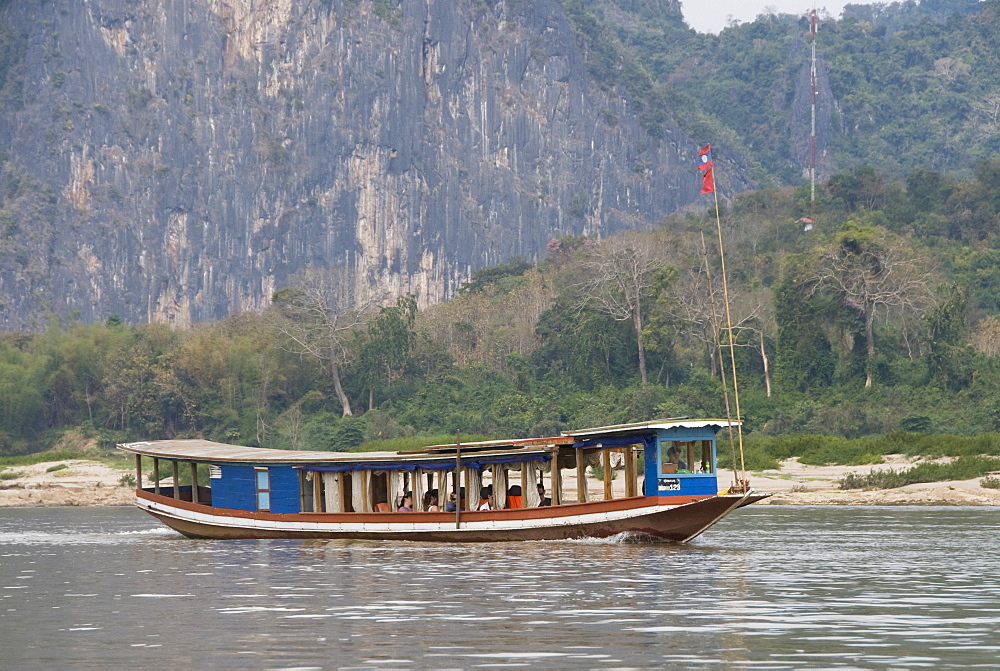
(10, 475)
(755, 457)
(867, 458)
(57, 467)
(963, 468)
(38, 457)
(876, 479)
(127, 480)
(990, 482)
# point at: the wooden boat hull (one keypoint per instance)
(644, 517)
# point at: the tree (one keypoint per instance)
(317, 315)
(873, 272)
(619, 277)
(388, 344)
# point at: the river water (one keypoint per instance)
(771, 587)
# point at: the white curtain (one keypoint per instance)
(499, 486)
(331, 483)
(473, 483)
(531, 498)
(359, 480)
(395, 489)
(419, 487)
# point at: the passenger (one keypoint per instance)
(674, 457)
(514, 499)
(431, 501)
(453, 503)
(485, 496)
(543, 499)
(406, 503)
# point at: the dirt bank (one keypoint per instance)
(797, 484)
(81, 483)
(91, 483)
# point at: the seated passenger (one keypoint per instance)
(431, 501)
(485, 495)
(543, 500)
(452, 502)
(406, 503)
(674, 457)
(514, 499)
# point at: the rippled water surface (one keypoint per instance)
(770, 587)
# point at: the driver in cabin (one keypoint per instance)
(674, 457)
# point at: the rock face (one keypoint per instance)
(178, 160)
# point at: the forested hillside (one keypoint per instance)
(902, 85)
(882, 317)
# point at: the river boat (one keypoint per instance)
(668, 487)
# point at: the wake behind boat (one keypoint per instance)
(668, 488)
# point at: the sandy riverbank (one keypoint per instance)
(91, 483)
(798, 484)
(81, 483)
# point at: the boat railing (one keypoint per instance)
(182, 493)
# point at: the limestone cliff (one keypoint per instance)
(178, 160)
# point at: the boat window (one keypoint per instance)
(685, 456)
(263, 478)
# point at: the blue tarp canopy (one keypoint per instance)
(478, 464)
(647, 440)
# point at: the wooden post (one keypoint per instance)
(581, 477)
(556, 478)
(525, 484)
(177, 482)
(194, 482)
(156, 475)
(342, 481)
(630, 471)
(138, 471)
(303, 498)
(606, 469)
(366, 499)
(317, 492)
(690, 459)
(458, 479)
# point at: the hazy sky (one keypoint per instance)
(709, 16)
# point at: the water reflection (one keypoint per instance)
(778, 587)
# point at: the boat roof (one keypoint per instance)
(194, 449)
(653, 425)
(210, 451)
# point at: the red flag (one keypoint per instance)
(704, 161)
(708, 182)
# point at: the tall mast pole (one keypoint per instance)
(812, 132)
(742, 483)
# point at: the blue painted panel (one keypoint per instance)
(285, 490)
(649, 477)
(688, 485)
(236, 489)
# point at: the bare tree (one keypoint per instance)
(619, 275)
(874, 272)
(986, 337)
(701, 311)
(317, 315)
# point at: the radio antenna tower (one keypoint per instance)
(812, 132)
